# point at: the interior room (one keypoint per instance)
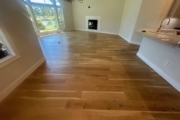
(89, 59)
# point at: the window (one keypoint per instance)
(45, 18)
(3, 50)
(60, 18)
(58, 3)
(46, 15)
(42, 1)
(8, 52)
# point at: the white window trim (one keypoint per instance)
(14, 55)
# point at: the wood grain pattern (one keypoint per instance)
(90, 76)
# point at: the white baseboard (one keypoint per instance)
(108, 33)
(131, 42)
(124, 37)
(135, 43)
(97, 31)
(160, 72)
(66, 30)
(12, 86)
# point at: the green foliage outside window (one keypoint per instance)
(45, 17)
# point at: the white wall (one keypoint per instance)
(129, 18)
(110, 12)
(157, 56)
(141, 14)
(14, 17)
(150, 15)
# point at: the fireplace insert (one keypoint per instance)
(93, 24)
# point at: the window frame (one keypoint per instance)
(14, 55)
(41, 3)
(54, 5)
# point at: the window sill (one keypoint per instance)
(8, 60)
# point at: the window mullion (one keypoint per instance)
(34, 18)
(39, 4)
(43, 4)
(56, 10)
(54, 2)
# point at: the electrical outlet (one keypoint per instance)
(166, 63)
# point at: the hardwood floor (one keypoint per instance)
(90, 76)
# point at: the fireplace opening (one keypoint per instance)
(93, 24)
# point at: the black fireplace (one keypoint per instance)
(93, 24)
